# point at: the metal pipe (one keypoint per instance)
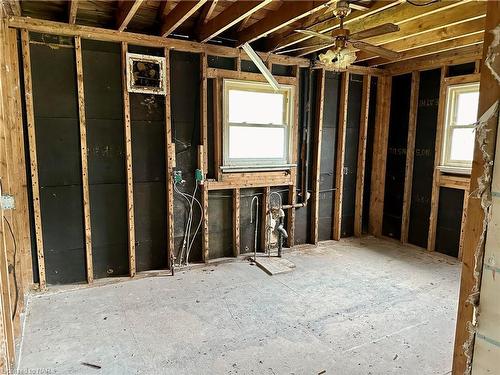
(256, 199)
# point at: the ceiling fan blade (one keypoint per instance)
(314, 33)
(359, 7)
(376, 31)
(301, 48)
(379, 51)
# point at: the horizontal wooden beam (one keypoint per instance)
(176, 17)
(125, 13)
(454, 182)
(109, 35)
(288, 12)
(235, 13)
(250, 179)
(432, 49)
(431, 37)
(233, 74)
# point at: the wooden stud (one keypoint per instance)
(431, 239)
(205, 236)
(462, 224)
(339, 165)
(203, 153)
(380, 155)
(83, 155)
(264, 233)
(217, 113)
(316, 161)
(410, 155)
(360, 171)
(30, 119)
(170, 162)
(236, 222)
(72, 11)
(128, 164)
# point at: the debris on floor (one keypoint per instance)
(274, 265)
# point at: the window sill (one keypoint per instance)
(262, 168)
(454, 170)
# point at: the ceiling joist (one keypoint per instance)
(288, 12)
(176, 17)
(232, 15)
(126, 11)
(72, 11)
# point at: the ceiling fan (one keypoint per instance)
(344, 44)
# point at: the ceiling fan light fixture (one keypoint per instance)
(338, 60)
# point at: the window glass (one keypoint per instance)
(255, 107)
(466, 108)
(256, 142)
(462, 144)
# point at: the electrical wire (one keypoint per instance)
(412, 2)
(14, 275)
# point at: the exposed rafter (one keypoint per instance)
(206, 12)
(288, 12)
(235, 13)
(12, 7)
(126, 11)
(182, 11)
(72, 11)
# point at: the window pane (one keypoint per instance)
(255, 107)
(466, 108)
(256, 143)
(462, 144)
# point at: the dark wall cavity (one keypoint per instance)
(220, 223)
(351, 154)
(396, 155)
(58, 153)
(449, 221)
(461, 69)
(370, 135)
(106, 157)
(248, 215)
(423, 165)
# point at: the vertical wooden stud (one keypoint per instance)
(380, 154)
(170, 163)
(203, 151)
(431, 240)
(217, 112)
(128, 164)
(264, 233)
(320, 102)
(339, 165)
(462, 224)
(360, 170)
(410, 154)
(83, 154)
(236, 222)
(30, 119)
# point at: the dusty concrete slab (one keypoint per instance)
(350, 307)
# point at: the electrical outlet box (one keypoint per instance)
(177, 177)
(198, 174)
(7, 202)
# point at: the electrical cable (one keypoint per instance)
(412, 2)
(14, 275)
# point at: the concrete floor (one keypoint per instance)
(354, 307)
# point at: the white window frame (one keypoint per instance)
(237, 164)
(452, 92)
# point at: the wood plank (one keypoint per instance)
(170, 162)
(233, 180)
(233, 14)
(410, 155)
(448, 45)
(206, 12)
(431, 239)
(204, 111)
(246, 76)
(128, 164)
(30, 120)
(454, 182)
(462, 224)
(72, 11)
(236, 222)
(107, 35)
(83, 155)
(217, 114)
(339, 163)
(316, 158)
(177, 16)
(264, 233)
(473, 245)
(126, 12)
(287, 13)
(380, 155)
(360, 171)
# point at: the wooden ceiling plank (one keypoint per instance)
(72, 11)
(398, 15)
(176, 17)
(432, 49)
(288, 12)
(283, 41)
(233, 14)
(431, 37)
(126, 11)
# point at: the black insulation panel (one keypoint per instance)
(423, 165)
(185, 109)
(370, 135)
(449, 221)
(106, 157)
(396, 156)
(59, 172)
(221, 62)
(328, 155)
(461, 69)
(351, 154)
